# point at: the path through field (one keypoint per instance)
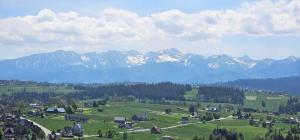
(47, 131)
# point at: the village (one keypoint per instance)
(16, 125)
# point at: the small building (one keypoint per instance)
(166, 138)
(34, 105)
(140, 117)
(77, 130)
(168, 111)
(126, 125)
(61, 110)
(256, 122)
(55, 110)
(51, 110)
(184, 120)
(155, 130)
(119, 119)
(212, 109)
(180, 108)
(194, 114)
(9, 133)
(67, 132)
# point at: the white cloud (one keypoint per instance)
(120, 27)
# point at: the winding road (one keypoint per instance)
(47, 131)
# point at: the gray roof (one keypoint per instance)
(61, 110)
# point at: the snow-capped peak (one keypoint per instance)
(84, 58)
(166, 58)
(136, 60)
(245, 60)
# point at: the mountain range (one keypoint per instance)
(124, 66)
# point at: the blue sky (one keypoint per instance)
(92, 7)
(260, 29)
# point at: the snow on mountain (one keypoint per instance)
(136, 60)
(165, 65)
(166, 58)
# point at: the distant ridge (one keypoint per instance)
(133, 66)
(289, 85)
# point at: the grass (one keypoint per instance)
(254, 100)
(191, 95)
(8, 89)
(157, 117)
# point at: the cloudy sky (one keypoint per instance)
(263, 28)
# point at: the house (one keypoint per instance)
(34, 105)
(212, 109)
(54, 136)
(184, 120)
(155, 130)
(290, 120)
(67, 132)
(51, 110)
(168, 111)
(77, 130)
(126, 125)
(61, 110)
(194, 114)
(140, 117)
(256, 122)
(55, 110)
(9, 133)
(180, 108)
(119, 119)
(167, 138)
(269, 123)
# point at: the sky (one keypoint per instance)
(259, 29)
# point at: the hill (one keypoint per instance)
(286, 85)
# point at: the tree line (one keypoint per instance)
(221, 94)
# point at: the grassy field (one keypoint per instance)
(104, 121)
(200, 130)
(8, 89)
(272, 101)
(191, 95)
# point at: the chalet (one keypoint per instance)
(9, 133)
(180, 108)
(166, 138)
(55, 110)
(54, 136)
(155, 130)
(140, 117)
(119, 119)
(126, 125)
(67, 132)
(168, 111)
(61, 110)
(290, 120)
(77, 130)
(34, 105)
(51, 110)
(184, 120)
(256, 122)
(194, 114)
(269, 123)
(212, 109)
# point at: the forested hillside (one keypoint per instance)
(289, 85)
